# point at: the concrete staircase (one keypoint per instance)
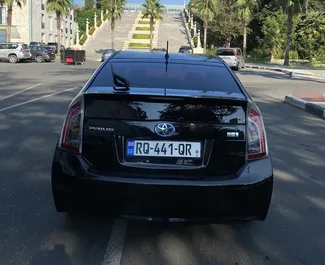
(172, 29)
(146, 32)
(102, 39)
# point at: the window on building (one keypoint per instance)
(42, 5)
(42, 21)
(3, 13)
(51, 22)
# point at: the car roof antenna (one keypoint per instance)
(167, 57)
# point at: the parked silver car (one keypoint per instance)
(14, 52)
(232, 56)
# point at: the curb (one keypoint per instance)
(297, 75)
(312, 108)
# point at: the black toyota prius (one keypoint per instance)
(158, 136)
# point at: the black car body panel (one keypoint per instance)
(246, 194)
(116, 167)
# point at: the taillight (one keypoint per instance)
(22, 50)
(256, 136)
(71, 133)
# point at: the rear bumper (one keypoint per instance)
(245, 196)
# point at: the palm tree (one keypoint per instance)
(245, 10)
(9, 4)
(205, 10)
(153, 10)
(61, 8)
(291, 8)
(114, 10)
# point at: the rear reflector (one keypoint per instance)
(257, 145)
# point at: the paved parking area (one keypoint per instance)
(33, 101)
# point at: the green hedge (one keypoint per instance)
(83, 40)
(143, 28)
(144, 22)
(92, 30)
(99, 23)
(141, 36)
(139, 45)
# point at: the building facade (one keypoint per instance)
(33, 23)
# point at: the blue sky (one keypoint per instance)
(164, 2)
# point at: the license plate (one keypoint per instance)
(163, 149)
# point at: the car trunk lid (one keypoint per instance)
(122, 135)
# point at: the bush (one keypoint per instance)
(212, 51)
(279, 54)
(139, 45)
(83, 40)
(142, 28)
(92, 30)
(99, 23)
(259, 55)
(141, 36)
(195, 41)
(320, 54)
(293, 55)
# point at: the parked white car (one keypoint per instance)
(232, 56)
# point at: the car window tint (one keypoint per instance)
(178, 76)
(230, 52)
(13, 46)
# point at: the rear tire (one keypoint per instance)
(39, 59)
(13, 58)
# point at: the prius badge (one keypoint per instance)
(164, 129)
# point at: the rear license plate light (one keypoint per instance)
(149, 148)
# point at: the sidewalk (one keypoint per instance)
(307, 73)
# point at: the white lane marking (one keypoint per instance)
(21, 91)
(35, 99)
(115, 245)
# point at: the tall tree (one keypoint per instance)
(291, 8)
(89, 4)
(114, 10)
(226, 26)
(153, 10)
(205, 10)
(9, 4)
(60, 8)
(245, 10)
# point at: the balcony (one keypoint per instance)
(42, 6)
(43, 25)
(70, 31)
(66, 30)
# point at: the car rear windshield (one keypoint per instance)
(178, 76)
(230, 52)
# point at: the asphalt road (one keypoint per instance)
(33, 101)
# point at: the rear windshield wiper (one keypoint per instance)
(121, 83)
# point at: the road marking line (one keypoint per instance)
(115, 245)
(35, 99)
(21, 91)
